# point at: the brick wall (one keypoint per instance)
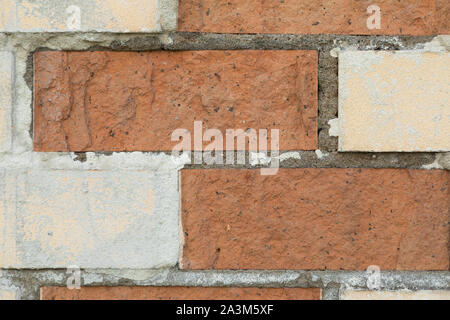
(226, 150)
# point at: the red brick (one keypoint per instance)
(400, 17)
(333, 219)
(179, 293)
(131, 101)
(443, 16)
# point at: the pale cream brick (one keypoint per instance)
(8, 294)
(394, 101)
(395, 295)
(6, 99)
(91, 219)
(88, 15)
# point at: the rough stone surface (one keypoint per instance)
(179, 293)
(123, 101)
(6, 99)
(396, 295)
(308, 219)
(88, 15)
(91, 219)
(394, 101)
(423, 17)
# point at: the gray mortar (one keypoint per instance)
(29, 281)
(336, 159)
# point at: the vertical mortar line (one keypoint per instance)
(180, 222)
(29, 73)
(13, 101)
(330, 293)
(32, 99)
(327, 97)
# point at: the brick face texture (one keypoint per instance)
(179, 293)
(93, 15)
(130, 101)
(88, 218)
(395, 295)
(406, 17)
(6, 99)
(132, 211)
(408, 110)
(316, 219)
(443, 9)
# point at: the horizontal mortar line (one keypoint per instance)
(308, 159)
(390, 280)
(196, 41)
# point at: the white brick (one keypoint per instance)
(8, 294)
(394, 101)
(88, 15)
(396, 295)
(6, 99)
(91, 219)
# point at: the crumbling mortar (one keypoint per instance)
(29, 281)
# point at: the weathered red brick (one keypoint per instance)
(402, 17)
(334, 219)
(131, 101)
(443, 16)
(179, 293)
